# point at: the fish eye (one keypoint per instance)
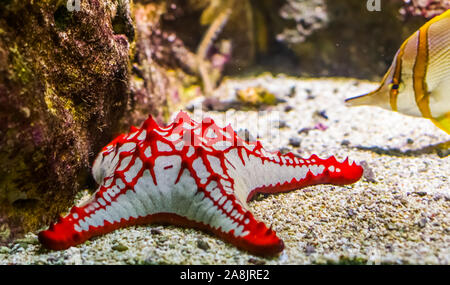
(397, 87)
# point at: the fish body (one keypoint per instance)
(418, 80)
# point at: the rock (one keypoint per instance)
(310, 97)
(321, 114)
(320, 127)
(29, 240)
(202, 244)
(256, 97)
(443, 152)
(260, 196)
(4, 250)
(422, 222)
(256, 261)
(368, 174)
(390, 247)
(345, 142)
(304, 131)
(292, 92)
(63, 89)
(351, 213)
(391, 227)
(309, 249)
(120, 247)
(437, 197)
(285, 150)
(155, 232)
(288, 108)
(164, 71)
(280, 124)
(295, 141)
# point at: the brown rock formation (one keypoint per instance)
(63, 85)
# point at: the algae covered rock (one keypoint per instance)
(63, 87)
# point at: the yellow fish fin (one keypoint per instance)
(374, 98)
(443, 122)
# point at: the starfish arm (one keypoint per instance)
(257, 170)
(211, 207)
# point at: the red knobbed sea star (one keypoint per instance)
(191, 174)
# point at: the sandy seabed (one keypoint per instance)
(399, 213)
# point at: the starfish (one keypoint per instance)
(195, 175)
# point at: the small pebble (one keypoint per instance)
(421, 193)
(320, 127)
(368, 172)
(23, 245)
(280, 124)
(155, 232)
(443, 152)
(304, 131)
(345, 143)
(4, 249)
(288, 108)
(260, 196)
(292, 92)
(285, 150)
(309, 94)
(409, 141)
(120, 247)
(391, 227)
(437, 197)
(28, 240)
(295, 142)
(422, 222)
(190, 108)
(309, 249)
(256, 261)
(202, 244)
(350, 213)
(390, 247)
(322, 114)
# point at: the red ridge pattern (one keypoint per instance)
(191, 174)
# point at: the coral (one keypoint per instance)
(425, 8)
(308, 16)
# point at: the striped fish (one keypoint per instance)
(418, 81)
